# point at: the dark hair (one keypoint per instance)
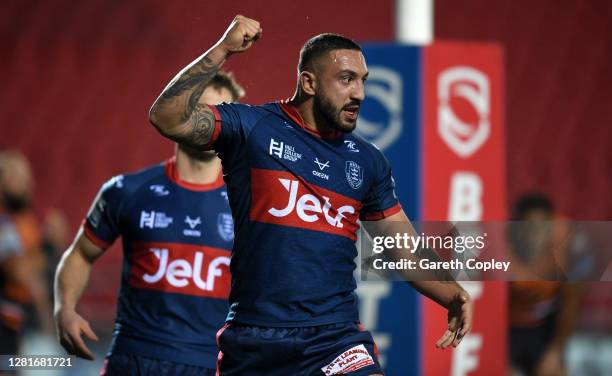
(319, 45)
(225, 80)
(532, 201)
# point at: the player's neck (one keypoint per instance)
(196, 171)
(305, 106)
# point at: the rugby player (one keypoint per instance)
(177, 232)
(298, 181)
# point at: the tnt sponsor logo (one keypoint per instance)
(181, 268)
(351, 360)
(154, 219)
(192, 223)
(284, 151)
(281, 198)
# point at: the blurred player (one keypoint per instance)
(177, 231)
(11, 313)
(298, 181)
(23, 284)
(542, 313)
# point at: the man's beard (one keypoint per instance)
(331, 115)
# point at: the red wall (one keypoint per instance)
(78, 77)
(558, 93)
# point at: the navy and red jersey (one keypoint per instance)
(175, 279)
(296, 196)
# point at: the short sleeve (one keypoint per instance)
(233, 123)
(381, 200)
(101, 225)
(10, 244)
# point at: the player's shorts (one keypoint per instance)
(336, 349)
(135, 365)
(527, 345)
(9, 340)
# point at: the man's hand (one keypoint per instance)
(459, 321)
(70, 325)
(240, 35)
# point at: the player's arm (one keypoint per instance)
(176, 113)
(71, 279)
(440, 286)
(551, 361)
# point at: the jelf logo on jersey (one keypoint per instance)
(281, 199)
(463, 135)
(383, 89)
(181, 268)
(225, 226)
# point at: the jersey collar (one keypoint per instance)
(172, 174)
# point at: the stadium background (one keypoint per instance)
(79, 77)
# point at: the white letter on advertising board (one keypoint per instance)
(465, 202)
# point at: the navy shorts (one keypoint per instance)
(336, 349)
(135, 365)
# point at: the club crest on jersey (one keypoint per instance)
(225, 226)
(354, 174)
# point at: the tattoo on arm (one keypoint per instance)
(203, 125)
(187, 87)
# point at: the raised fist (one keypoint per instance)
(241, 34)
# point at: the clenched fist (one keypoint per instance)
(240, 35)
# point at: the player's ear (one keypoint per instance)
(308, 82)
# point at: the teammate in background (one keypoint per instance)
(542, 313)
(177, 232)
(298, 181)
(22, 285)
(11, 313)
